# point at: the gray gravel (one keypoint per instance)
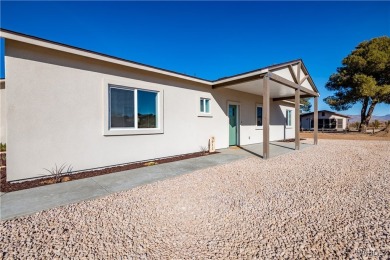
(328, 201)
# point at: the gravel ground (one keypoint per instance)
(328, 201)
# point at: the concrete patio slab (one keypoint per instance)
(129, 179)
(276, 148)
(24, 202)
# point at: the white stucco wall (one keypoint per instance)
(3, 121)
(55, 114)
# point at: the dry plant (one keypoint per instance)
(150, 163)
(204, 150)
(57, 172)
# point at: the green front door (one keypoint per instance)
(232, 125)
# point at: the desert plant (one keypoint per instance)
(204, 150)
(376, 124)
(150, 163)
(57, 172)
(3, 147)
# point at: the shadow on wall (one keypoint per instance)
(278, 116)
(248, 113)
(247, 103)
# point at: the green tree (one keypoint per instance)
(306, 105)
(364, 77)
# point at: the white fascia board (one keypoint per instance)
(96, 56)
(263, 71)
(291, 102)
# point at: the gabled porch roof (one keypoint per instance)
(285, 79)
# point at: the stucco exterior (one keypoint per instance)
(55, 106)
(3, 121)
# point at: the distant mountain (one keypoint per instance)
(356, 118)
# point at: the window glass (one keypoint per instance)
(288, 117)
(326, 123)
(204, 105)
(259, 116)
(201, 105)
(339, 123)
(147, 109)
(207, 105)
(332, 123)
(121, 108)
(320, 123)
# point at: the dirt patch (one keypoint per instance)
(2, 159)
(384, 133)
(8, 186)
(347, 136)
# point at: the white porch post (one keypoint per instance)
(315, 120)
(297, 107)
(297, 118)
(266, 116)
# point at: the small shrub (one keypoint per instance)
(376, 124)
(65, 179)
(150, 163)
(3, 147)
(57, 172)
(204, 150)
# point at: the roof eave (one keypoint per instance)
(7, 34)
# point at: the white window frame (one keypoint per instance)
(134, 86)
(337, 123)
(258, 126)
(288, 111)
(204, 113)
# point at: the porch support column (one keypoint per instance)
(266, 116)
(315, 120)
(297, 118)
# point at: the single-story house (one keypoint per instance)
(63, 104)
(327, 120)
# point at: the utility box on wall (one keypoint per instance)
(212, 144)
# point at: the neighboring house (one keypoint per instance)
(327, 120)
(69, 105)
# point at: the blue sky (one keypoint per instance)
(210, 39)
